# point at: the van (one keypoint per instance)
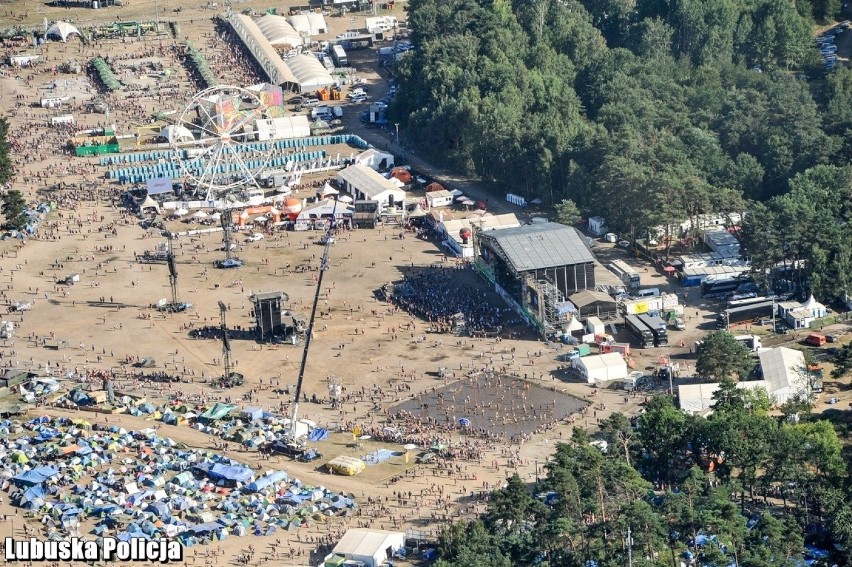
(650, 292)
(815, 339)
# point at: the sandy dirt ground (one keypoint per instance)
(358, 341)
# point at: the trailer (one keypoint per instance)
(744, 314)
(643, 335)
(658, 328)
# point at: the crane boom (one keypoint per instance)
(329, 238)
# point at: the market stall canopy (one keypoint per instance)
(149, 203)
(61, 30)
(417, 213)
(345, 199)
(200, 215)
(328, 190)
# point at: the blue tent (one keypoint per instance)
(205, 528)
(36, 476)
(233, 473)
(160, 509)
(33, 497)
(318, 434)
(266, 481)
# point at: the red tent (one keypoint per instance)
(434, 186)
(402, 174)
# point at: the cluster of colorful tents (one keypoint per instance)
(136, 484)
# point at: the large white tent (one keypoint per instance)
(785, 373)
(309, 24)
(61, 30)
(176, 133)
(371, 547)
(283, 128)
(602, 368)
(698, 398)
(309, 72)
(366, 183)
(278, 31)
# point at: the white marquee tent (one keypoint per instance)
(278, 31)
(371, 547)
(282, 128)
(785, 373)
(61, 30)
(310, 73)
(310, 24)
(600, 368)
(176, 133)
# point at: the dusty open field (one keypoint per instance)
(358, 340)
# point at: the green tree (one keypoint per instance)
(567, 212)
(842, 361)
(6, 169)
(464, 544)
(14, 209)
(723, 357)
(619, 434)
(662, 432)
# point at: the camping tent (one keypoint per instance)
(61, 30)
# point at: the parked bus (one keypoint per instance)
(625, 273)
(643, 335)
(658, 328)
(718, 288)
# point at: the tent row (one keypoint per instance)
(201, 65)
(105, 74)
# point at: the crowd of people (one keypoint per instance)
(434, 294)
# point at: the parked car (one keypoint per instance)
(229, 263)
(256, 237)
(310, 102)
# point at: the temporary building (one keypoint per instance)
(370, 547)
(367, 184)
(698, 398)
(278, 31)
(61, 30)
(176, 133)
(347, 466)
(375, 159)
(601, 368)
(309, 72)
(785, 373)
(284, 128)
(309, 24)
(441, 198)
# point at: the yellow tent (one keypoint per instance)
(347, 466)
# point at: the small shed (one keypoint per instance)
(597, 226)
(442, 198)
(591, 303)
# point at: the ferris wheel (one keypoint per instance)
(214, 140)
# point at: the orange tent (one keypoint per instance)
(434, 186)
(402, 174)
